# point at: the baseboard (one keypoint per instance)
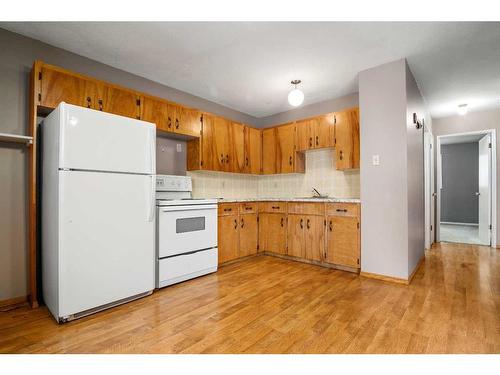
(390, 279)
(313, 262)
(14, 301)
(420, 262)
(455, 223)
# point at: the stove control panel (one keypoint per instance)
(173, 183)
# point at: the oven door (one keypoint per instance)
(183, 229)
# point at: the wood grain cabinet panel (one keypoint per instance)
(222, 142)
(272, 233)
(189, 123)
(285, 149)
(155, 111)
(314, 238)
(343, 241)
(269, 151)
(225, 209)
(347, 139)
(324, 131)
(228, 238)
(237, 139)
(295, 236)
(305, 135)
(57, 86)
(118, 101)
(253, 150)
(249, 234)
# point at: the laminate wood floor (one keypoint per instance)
(270, 305)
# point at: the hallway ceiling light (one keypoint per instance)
(296, 96)
(462, 109)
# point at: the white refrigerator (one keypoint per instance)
(98, 208)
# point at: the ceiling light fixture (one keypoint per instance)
(462, 109)
(296, 96)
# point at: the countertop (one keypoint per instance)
(319, 200)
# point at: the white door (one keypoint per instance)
(106, 240)
(485, 190)
(429, 189)
(99, 141)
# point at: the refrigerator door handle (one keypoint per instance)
(152, 148)
(152, 199)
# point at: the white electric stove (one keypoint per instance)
(186, 232)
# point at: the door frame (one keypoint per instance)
(439, 181)
(429, 196)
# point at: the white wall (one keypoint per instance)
(392, 195)
(473, 121)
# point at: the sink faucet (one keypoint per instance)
(316, 193)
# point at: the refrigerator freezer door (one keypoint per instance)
(98, 141)
(107, 241)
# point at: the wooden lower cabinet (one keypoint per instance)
(249, 235)
(295, 236)
(272, 233)
(314, 237)
(343, 241)
(228, 238)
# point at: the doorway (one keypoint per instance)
(466, 188)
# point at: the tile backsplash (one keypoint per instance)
(320, 174)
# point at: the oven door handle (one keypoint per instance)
(201, 207)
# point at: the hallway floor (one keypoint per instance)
(460, 234)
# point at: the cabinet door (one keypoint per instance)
(343, 241)
(324, 131)
(207, 141)
(119, 102)
(155, 111)
(57, 87)
(249, 234)
(285, 148)
(272, 233)
(238, 147)
(253, 150)
(295, 237)
(269, 151)
(228, 240)
(222, 149)
(314, 237)
(173, 117)
(305, 135)
(190, 122)
(347, 139)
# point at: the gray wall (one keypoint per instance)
(310, 110)
(169, 160)
(392, 195)
(460, 176)
(18, 54)
(473, 121)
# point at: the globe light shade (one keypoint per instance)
(462, 109)
(295, 97)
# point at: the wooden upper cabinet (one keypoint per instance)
(305, 135)
(269, 151)
(200, 151)
(57, 86)
(253, 150)
(189, 123)
(223, 158)
(237, 139)
(285, 141)
(154, 111)
(347, 139)
(118, 101)
(324, 131)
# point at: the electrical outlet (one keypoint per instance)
(375, 159)
(179, 147)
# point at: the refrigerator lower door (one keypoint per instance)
(107, 239)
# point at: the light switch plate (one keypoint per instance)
(375, 159)
(179, 147)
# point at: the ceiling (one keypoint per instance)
(464, 138)
(247, 66)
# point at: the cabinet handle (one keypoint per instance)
(340, 157)
(100, 104)
(275, 207)
(235, 223)
(341, 210)
(242, 223)
(301, 223)
(331, 226)
(227, 209)
(308, 224)
(310, 142)
(281, 221)
(248, 208)
(317, 141)
(89, 104)
(227, 159)
(290, 161)
(169, 122)
(222, 158)
(246, 161)
(177, 123)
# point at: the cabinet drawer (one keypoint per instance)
(248, 208)
(228, 209)
(272, 207)
(306, 208)
(342, 209)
